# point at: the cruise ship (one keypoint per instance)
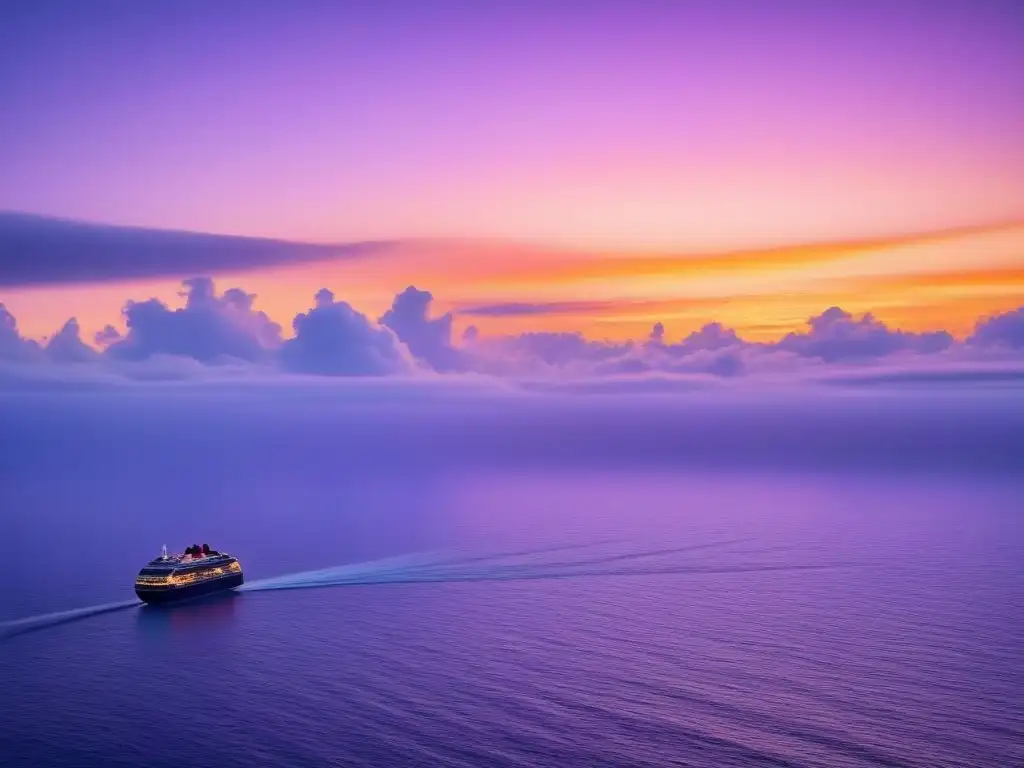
(197, 571)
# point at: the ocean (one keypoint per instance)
(419, 608)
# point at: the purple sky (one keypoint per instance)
(655, 122)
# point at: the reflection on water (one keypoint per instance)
(193, 616)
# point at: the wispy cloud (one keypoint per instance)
(543, 308)
(915, 282)
(570, 266)
(39, 250)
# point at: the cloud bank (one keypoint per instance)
(333, 339)
(209, 328)
(845, 393)
(222, 336)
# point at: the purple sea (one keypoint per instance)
(682, 582)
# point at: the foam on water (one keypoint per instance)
(381, 570)
(401, 568)
(324, 577)
(340, 573)
(446, 567)
(421, 569)
(31, 623)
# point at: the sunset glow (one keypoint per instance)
(559, 169)
(919, 282)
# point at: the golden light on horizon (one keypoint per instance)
(916, 282)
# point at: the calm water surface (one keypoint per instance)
(555, 619)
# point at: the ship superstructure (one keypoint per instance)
(199, 570)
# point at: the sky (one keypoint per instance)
(569, 166)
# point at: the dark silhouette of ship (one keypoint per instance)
(197, 571)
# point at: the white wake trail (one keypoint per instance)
(18, 626)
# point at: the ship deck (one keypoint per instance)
(174, 563)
